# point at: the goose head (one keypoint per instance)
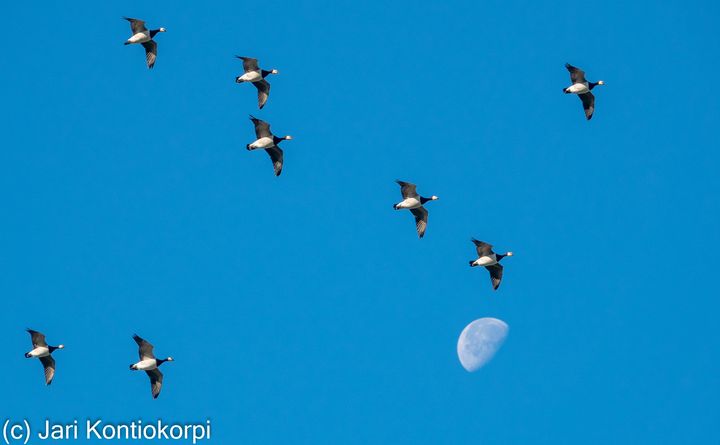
(162, 30)
(601, 82)
(169, 359)
(61, 346)
(274, 71)
(500, 256)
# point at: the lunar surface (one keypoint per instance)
(479, 342)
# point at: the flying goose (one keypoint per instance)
(414, 202)
(269, 142)
(256, 76)
(42, 351)
(145, 37)
(491, 261)
(150, 364)
(582, 87)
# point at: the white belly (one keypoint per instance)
(252, 76)
(38, 352)
(485, 261)
(140, 37)
(409, 203)
(265, 142)
(578, 88)
(146, 365)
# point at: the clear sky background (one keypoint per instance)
(303, 309)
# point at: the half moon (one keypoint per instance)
(479, 342)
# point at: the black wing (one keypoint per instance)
(136, 25)
(276, 155)
(421, 217)
(38, 339)
(262, 128)
(483, 248)
(576, 74)
(249, 64)
(263, 88)
(588, 101)
(145, 349)
(49, 365)
(156, 378)
(496, 272)
(407, 189)
(150, 53)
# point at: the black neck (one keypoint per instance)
(265, 73)
(592, 85)
(52, 348)
(423, 200)
(277, 140)
(160, 361)
(153, 32)
(499, 256)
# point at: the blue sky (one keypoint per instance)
(303, 309)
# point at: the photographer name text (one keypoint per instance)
(96, 429)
